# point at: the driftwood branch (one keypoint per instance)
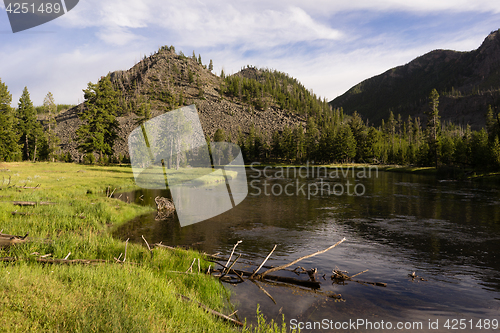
(164, 246)
(234, 262)
(125, 256)
(31, 203)
(264, 290)
(8, 240)
(206, 308)
(58, 261)
(340, 277)
(191, 267)
(260, 276)
(234, 248)
(255, 272)
(147, 244)
(295, 281)
(28, 187)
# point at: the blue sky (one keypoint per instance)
(328, 45)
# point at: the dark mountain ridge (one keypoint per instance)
(467, 81)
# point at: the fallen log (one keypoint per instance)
(58, 261)
(8, 240)
(29, 187)
(71, 261)
(337, 297)
(340, 277)
(206, 308)
(21, 213)
(285, 279)
(31, 203)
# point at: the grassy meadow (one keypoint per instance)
(139, 295)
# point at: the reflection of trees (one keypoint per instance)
(224, 152)
(174, 138)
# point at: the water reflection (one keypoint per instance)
(447, 232)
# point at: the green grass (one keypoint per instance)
(139, 295)
(155, 175)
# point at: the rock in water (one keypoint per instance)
(164, 204)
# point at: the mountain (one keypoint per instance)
(166, 80)
(467, 81)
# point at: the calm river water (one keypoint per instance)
(447, 232)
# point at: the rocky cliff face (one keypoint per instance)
(165, 80)
(467, 81)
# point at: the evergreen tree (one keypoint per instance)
(50, 108)
(99, 130)
(9, 149)
(299, 139)
(363, 145)
(287, 144)
(276, 146)
(219, 135)
(495, 153)
(480, 151)
(345, 144)
(211, 65)
(492, 124)
(28, 126)
(447, 149)
(311, 139)
(462, 152)
(433, 125)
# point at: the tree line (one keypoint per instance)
(338, 138)
(326, 136)
(22, 136)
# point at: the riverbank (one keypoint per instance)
(134, 294)
(441, 172)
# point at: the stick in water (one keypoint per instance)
(234, 248)
(302, 258)
(255, 272)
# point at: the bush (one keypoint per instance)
(89, 158)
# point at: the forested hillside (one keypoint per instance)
(271, 115)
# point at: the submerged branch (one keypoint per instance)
(206, 308)
(260, 276)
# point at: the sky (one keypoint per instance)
(328, 45)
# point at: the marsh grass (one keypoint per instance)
(136, 296)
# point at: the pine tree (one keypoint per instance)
(276, 146)
(495, 153)
(492, 124)
(363, 146)
(433, 125)
(211, 65)
(479, 148)
(219, 135)
(99, 130)
(50, 108)
(28, 126)
(9, 149)
(299, 139)
(311, 138)
(344, 145)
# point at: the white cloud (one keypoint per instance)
(329, 45)
(117, 35)
(420, 6)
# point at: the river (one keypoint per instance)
(395, 224)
